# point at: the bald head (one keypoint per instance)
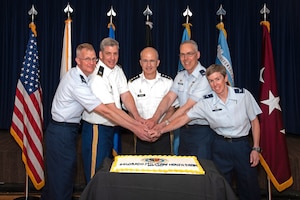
(149, 62)
(149, 50)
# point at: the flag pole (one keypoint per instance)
(186, 35)
(26, 186)
(274, 157)
(26, 189)
(223, 54)
(117, 148)
(66, 56)
(27, 197)
(149, 26)
(264, 11)
(31, 12)
(269, 188)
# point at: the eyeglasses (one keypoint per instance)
(149, 61)
(188, 54)
(89, 59)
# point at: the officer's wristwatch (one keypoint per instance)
(258, 149)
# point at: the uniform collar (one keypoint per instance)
(158, 76)
(231, 96)
(82, 76)
(196, 73)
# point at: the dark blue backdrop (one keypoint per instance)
(90, 25)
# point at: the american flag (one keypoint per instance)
(27, 119)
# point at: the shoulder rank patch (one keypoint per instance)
(165, 76)
(82, 79)
(134, 78)
(100, 71)
(202, 72)
(181, 70)
(239, 90)
(207, 96)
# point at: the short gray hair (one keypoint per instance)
(190, 42)
(81, 46)
(108, 42)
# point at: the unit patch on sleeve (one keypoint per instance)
(82, 79)
(202, 72)
(239, 90)
(100, 71)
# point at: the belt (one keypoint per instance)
(64, 123)
(83, 121)
(230, 139)
(194, 125)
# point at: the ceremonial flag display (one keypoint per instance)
(66, 58)
(223, 53)
(274, 157)
(185, 36)
(149, 25)
(148, 35)
(111, 32)
(27, 119)
(117, 137)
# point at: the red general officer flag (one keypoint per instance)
(274, 157)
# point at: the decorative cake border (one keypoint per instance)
(157, 159)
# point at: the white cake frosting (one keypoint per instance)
(157, 164)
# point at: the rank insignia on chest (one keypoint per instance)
(141, 95)
(217, 109)
(207, 96)
(180, 82)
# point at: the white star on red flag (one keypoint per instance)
(272, 102)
